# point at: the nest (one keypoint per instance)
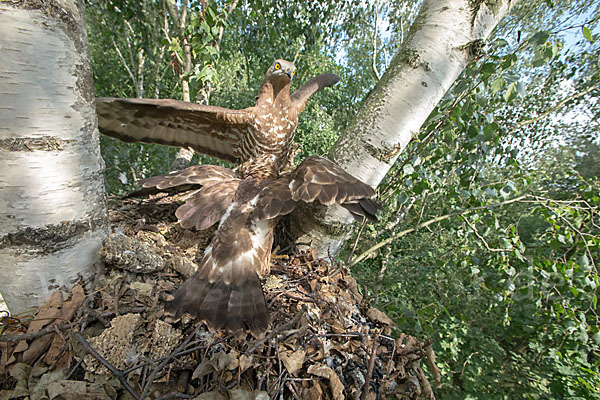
(111, 338)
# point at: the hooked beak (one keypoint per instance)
(289, 72)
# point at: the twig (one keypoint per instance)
(364, 222)
(166, 360)
(33, 335)
(372, 358)
(429, 222)
(116, 372)
(304, 299)
(277, 331)
(559, 105)
(482, 239)
(175, 395)
(75, 368)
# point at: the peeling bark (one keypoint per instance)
(53, 207)
(434, 54)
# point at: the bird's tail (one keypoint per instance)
(226, 291)
(234, 307)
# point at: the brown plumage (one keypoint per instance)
(226, 291)
(246, 202)
(231, 135)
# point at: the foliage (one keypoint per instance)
(509, 291)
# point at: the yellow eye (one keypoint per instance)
(277, 66)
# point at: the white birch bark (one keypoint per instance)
(52, 201)
(438, 47)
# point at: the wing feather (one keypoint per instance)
(275, 199)
(197, 174)
(318, 178)
(210, 130)
(208, 205)
(300, 97)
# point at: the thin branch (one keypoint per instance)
(116, 372)
(373, 357)
(33, 335)
(476, 232)
(555, 108)
(374, 57)
(278, 330)
(429, 222)
(129, 72)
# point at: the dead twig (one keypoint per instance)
(372, 358)
(277, 331)
(33, 335)
(160, 366)
(116, 372)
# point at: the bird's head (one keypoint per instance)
(281, 70)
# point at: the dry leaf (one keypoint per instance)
(70, 307)
(437, 373)
(47, 314)
(76, 390)
(293, 361)
(244, 394)
(315, 392)
(378, 316)
(336, 386)
(234, 360)
(214, 395)
(203, 368)
(245, 362)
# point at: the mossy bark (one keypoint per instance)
(428, 62)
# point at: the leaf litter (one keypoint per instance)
(111, 339)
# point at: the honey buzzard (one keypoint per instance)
(246, 202)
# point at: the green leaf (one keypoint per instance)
(583, 261)
(539, 38)
(587, 33)
(521, 90)
(511, 92)
(498, 84)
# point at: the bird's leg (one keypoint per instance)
(274, 254)
(289, 164)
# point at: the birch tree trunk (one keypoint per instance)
(52, 200)
(443, 39)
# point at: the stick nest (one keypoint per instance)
(110, 338)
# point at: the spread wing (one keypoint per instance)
(317, 178)
(205, 206)
(210, 130)
(300, 97)
(197, 174)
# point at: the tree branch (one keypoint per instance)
(555, 108)
(129, 72)
(429, 222)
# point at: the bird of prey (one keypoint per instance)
(226, 291)
(231, 135)
(246, 202)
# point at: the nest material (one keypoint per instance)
(113, 339)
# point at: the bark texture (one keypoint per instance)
(52, 198)
(441, 42)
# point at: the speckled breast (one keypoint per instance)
(271, 133)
